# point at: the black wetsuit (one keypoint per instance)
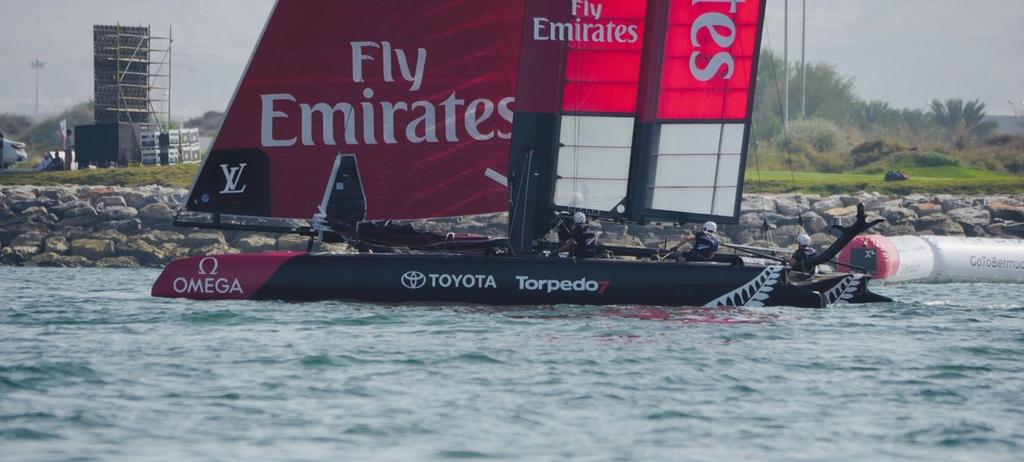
(586, 241)
(704, 247)
(801, 256)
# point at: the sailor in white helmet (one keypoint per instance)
(705, 243)
(582, 242)
(803, 252)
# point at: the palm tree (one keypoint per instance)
(963, 121)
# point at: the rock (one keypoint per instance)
(117, 262)
(16, 255)
(51, 259)
(255, 243)
(789, 207)
(172, 251)
(157, 213)
(55, 244)
(9, 232)
(19, 196)
(93, 249)
(898, 215)
(940, 225)
(840, 212)
(203, 239)
(820, 241)
(20, 206)
(94, 193)
(954, 202)
(111, 201)
(758, 204)
(746, 236)
(973, 220)
(134, 199)
(72, 233)
(886, 229)
(46, 260)
(213, 249)
(828, 203)
(80, 216)
(158, 237)
(33, 240)
(110, 234)
(813, 223)
(144, 252)
(292, 243)
(61, 209)
(1006, 210)
(25, 252)
(787, 233)
(130, 226)
(117, 213)
(59, 194)
(756, 220)
(926, 208)
(37, 210)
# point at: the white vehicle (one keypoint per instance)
(13, 153)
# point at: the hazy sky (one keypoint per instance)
(906, 52)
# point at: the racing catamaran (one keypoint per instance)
(363, 115)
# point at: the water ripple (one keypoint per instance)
(109, 373)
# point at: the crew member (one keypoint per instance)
(582, 242)
(803, 253)
(705, 243)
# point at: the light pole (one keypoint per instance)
(803, 63)
(37, 65)
(785, 59)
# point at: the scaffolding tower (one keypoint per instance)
(132, 76)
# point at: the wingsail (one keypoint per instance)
(633, 110)
(419, 95)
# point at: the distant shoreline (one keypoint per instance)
(114, 226)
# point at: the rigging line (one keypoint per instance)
(785, 130)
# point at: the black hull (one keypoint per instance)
(485, 280)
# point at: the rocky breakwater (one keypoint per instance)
(113, 227)
(133, 227)
(943, 215)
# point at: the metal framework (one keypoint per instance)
(132, 76)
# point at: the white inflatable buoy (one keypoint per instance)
(937, 258)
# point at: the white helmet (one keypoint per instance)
(710, 227)
(803, 239)
(579, 218)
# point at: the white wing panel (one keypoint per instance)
(677, 171)
(690, 139)
(696, 168)
(590, 194)
(598, 163)
(690, 200)
(597, 131)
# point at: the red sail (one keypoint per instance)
(420, 92)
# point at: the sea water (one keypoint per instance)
(93, 368)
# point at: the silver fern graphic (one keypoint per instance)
(856, 281)
(837, 291)
(753, 293)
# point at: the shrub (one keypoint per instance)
(935, 159)
(820, 134)
(873, 151)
